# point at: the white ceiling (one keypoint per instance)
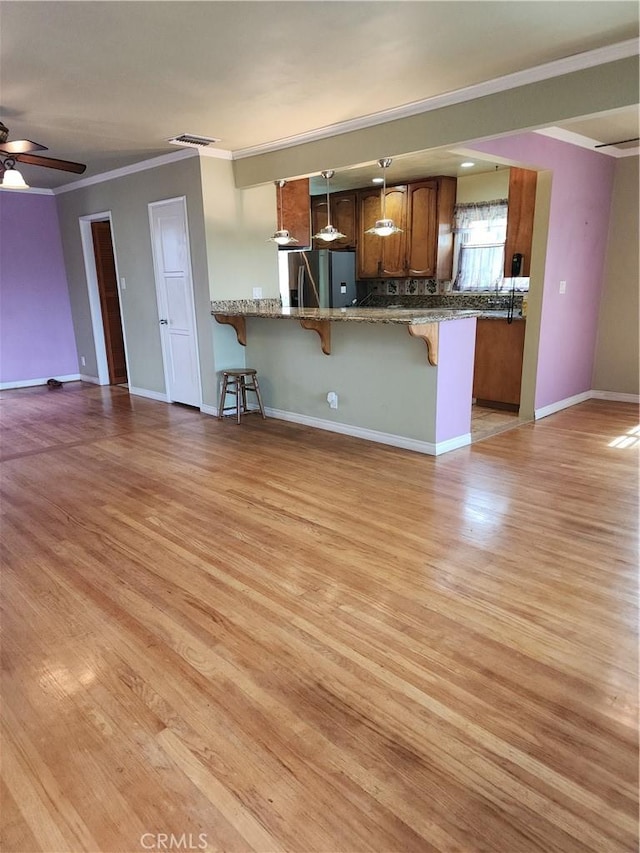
(107, 83)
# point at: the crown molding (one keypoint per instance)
(218, 153)
(556, 68)
(578, 139)
(142, 166)
(30, 190)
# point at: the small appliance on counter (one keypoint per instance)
(321, 278)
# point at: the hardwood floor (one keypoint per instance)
(270, 638)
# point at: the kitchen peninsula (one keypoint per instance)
(389, 388)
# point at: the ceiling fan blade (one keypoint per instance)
(21, 146)
(50, 163)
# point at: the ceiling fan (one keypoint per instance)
(21, 151)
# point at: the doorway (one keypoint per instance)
(103, 289)
(109, 301)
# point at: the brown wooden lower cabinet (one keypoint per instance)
(497, 371)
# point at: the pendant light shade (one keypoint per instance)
(281, 236)
(384, 227)
(329, 233)
(11, 178)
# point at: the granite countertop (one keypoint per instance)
(499, 315)
(402, 316)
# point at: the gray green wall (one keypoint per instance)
(237, 226)
(230, 255)
(379, 372)
(591, 90)
(127, 198)
(486, 186)
(618, 352)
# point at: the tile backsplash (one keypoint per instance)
(484, 300)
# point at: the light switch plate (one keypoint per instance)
(257, 293)
(563, 287)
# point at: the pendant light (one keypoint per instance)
(328, 234)
(11, 178)
(384, 227)
(281, 236)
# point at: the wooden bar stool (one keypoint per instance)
(238, 382)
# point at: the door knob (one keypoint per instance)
(164, 322)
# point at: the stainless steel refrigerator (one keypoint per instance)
(320, 278)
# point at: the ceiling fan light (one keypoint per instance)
(384, 228)
(328, 234)
(12, 180)
(283, 238)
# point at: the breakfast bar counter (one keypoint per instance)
(422, 323)
(376, 380)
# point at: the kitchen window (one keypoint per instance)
(480, 230)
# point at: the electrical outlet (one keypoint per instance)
(257, 293)
(332, 400)
(563, 287)
(83, 361)
(123, 283)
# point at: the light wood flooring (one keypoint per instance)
(270, 638)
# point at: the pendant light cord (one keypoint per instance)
(328, 205)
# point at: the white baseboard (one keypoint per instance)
(28, 383)
(209, 410)
(377, 436)
(93, 379)
(562, 404)
(616, 396)
(151, 395)
(452, 443)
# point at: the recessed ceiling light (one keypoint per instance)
(466, 164)
(377, 180)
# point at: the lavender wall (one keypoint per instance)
(578, 227)
(456, 353)
(37, 339)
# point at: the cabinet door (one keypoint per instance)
(447, 188)
(522, 203)
(422, 236)
(369, 255)
(295, 210)
(497, 371)
(343, 216)
(394, 256)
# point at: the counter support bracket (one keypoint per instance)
(323, 328)
(238, 323)
(429, 334)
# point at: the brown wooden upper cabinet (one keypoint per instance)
(424, 249)
(522, 203)
(343, 217)
(295, 211)
(382, 257)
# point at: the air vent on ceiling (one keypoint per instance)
(193, 141)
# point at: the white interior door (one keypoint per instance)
(177, 316)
